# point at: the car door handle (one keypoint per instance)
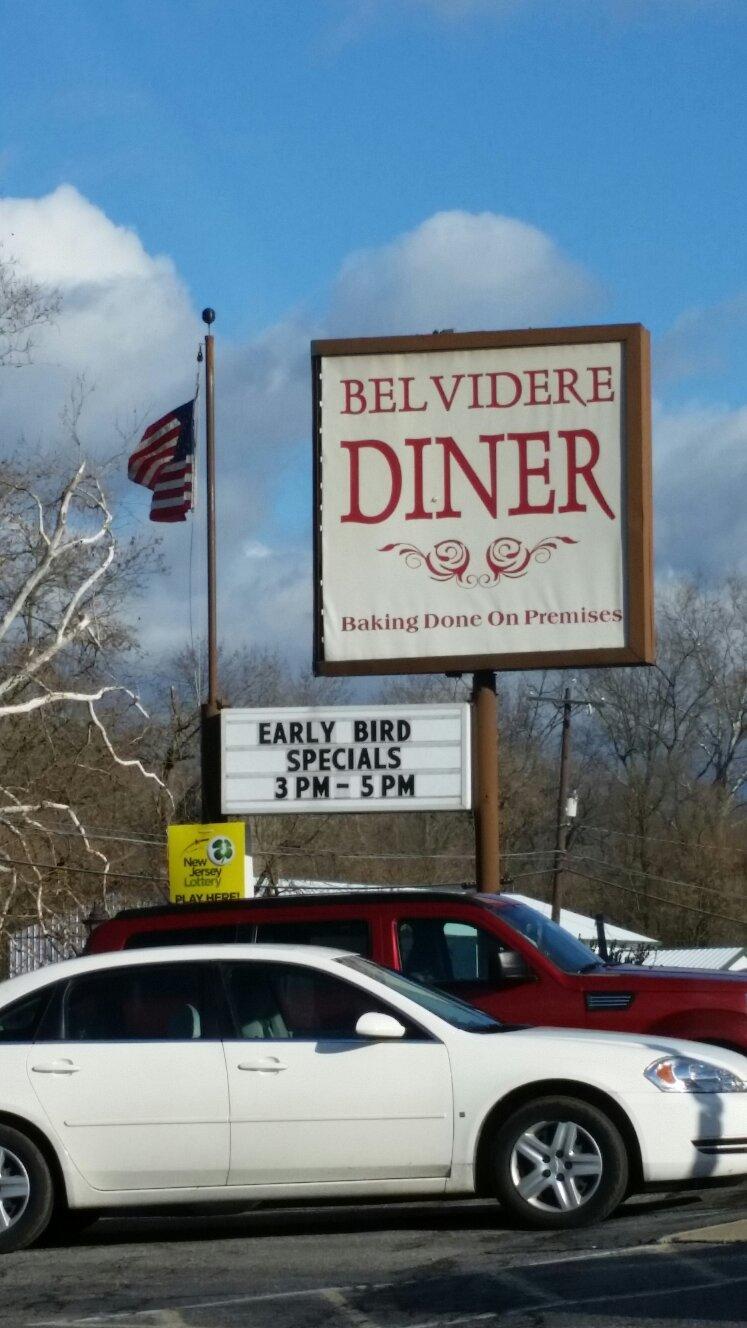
(55, 1067)
(267, 1065)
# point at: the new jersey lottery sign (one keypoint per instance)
(206, 862)
(483, 501)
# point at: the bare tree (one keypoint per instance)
(24, 306)
(665, 809)
(62, 576)
(65, 721)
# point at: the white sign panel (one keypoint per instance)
(477, 502)
(346, 759)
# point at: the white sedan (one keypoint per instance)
(281, 1072)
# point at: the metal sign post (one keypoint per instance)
(486, 802)
(210, 709)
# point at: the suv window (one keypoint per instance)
(553, 941)
(339, 933)
(443, 952)
(150, 940)
(153, 1002)
(282, 1001)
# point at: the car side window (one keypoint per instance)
(277, 1002)
(444, 952)
(20, 1020)
(145, 1003)
(339, 933)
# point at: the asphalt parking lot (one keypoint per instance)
(665, 1259)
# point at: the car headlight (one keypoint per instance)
(679, 1074)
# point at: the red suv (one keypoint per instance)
(493, 951)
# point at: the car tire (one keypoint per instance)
(26, 1191)
(559, 1163)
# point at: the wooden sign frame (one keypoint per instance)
(636, 487)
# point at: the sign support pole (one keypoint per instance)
(485, 715)
(210, 709)
(561, 834)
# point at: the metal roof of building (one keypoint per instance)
(581, 925)
(719, 957)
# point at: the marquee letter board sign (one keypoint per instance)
(346, 759)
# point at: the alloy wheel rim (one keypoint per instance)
(556, 1166)
(15, 1189)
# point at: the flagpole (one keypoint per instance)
(210, 710)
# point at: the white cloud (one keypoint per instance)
(455, 10)
(65, 240)
(256, 549)
(126, 325)
(700, 479)
(704, 343)
(358, 18)
(460, 270)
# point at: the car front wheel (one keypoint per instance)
(559, 1162)
(26, 1191)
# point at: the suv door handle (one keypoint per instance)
(267, 1065)
(55, 1067)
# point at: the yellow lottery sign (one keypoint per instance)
(206, 862)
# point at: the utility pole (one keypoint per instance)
(562, 821)
(210, 709)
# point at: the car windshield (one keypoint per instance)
(454, 1012)
(554, 942)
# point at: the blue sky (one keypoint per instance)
(288, 159)
(258, 142)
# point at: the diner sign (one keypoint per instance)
(483, 501)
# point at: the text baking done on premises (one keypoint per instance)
(349, 758)
(415, 622)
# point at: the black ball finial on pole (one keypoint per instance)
(208, 316)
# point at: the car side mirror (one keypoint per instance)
(379, 1026)
(514, 967)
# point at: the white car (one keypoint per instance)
(289, 1072)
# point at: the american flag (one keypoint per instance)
(164, 462)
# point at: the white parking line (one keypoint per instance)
(452, 1323)
(121, 1317)
(618, 1296)
(352, 1314)
(337, 1295)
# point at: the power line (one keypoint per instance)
(113, 838)
(399, 857)
(85, 871)
(653, 839)
(280, 852)
(634, 871)
(670, 903)
(290, 850)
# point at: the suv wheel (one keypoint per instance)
(26, 1191)
(559, 1163)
